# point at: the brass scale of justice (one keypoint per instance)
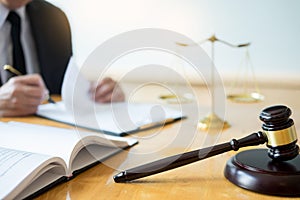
(273, 171)
(240, 89)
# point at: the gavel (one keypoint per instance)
(278, 131)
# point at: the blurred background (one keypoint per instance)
(271, 26)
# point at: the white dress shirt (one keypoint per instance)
(30, 53)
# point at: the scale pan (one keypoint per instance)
(253, 97)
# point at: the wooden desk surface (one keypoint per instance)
(200, 180)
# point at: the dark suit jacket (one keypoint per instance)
(52, 37)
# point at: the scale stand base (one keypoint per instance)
(212, 122)
(254, 170)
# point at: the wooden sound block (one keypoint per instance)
(254, 170)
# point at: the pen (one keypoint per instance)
(18, 73)
(168, 96)
(155, 124)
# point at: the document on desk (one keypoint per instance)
(77, 108)
(116, 119)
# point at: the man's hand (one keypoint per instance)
(106, 91)
(21, 95)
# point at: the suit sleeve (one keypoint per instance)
(52, 36)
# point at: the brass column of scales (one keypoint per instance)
(212, 120)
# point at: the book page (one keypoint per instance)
(18, 169)
(58, 142)
(38, 139)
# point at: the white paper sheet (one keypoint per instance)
(77, 108)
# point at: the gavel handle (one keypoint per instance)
(179, 160)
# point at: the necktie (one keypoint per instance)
(18, 54)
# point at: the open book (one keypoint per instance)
(34, 157)
(76, 108)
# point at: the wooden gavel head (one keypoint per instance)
(280, 132)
